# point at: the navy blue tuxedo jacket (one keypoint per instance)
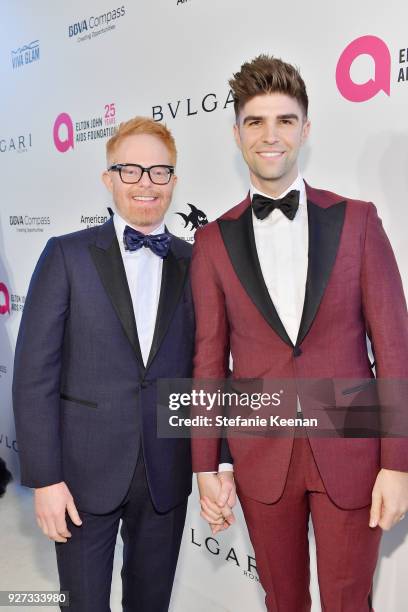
(84, 402)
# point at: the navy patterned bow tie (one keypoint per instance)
(159, 244)
(263, 206)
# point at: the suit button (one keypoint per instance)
(144, 384)
(297, 351)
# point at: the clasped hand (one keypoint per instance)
(217, 498)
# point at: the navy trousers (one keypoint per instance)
(151, 544)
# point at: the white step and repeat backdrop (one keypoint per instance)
(72, 71)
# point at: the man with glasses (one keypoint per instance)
(119, 316)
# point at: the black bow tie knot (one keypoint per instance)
(263, 206)
(159, 244)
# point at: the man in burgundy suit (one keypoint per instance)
(291, 281)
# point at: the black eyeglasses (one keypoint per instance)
(132, 173)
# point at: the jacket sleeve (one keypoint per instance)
(37, 370)
(212, 340)
(225, 453)
(385, 313)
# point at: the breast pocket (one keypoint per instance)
(75, 401)
(347, 268)
(360, 407)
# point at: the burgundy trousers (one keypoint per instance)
(347, 548)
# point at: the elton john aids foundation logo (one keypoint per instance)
(379, 52)
(66, 133)
(63, 133)
(4, 300)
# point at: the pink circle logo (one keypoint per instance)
(361, 92)
(63, 145)
(4, 307)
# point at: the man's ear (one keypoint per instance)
(237, 136)
(107, 180)
(305, 130)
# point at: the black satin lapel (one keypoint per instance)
(172, 283)
(325, 227)
(111, 270)
(239, 240)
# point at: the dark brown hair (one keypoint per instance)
(267, 74)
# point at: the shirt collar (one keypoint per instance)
(297, 184)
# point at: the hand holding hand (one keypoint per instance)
(215, 492)
(228, 493)
(226, 499)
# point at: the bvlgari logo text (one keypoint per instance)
(190, 107)
(213, 547)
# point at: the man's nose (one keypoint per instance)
(270, 133)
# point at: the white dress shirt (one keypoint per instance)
(143, 272)
(282, 246)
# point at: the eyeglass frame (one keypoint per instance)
(118, 168)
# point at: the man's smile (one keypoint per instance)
(270, 154)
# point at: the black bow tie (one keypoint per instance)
(158, 243)
(263, 206)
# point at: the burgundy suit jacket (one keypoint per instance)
(353, 288)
